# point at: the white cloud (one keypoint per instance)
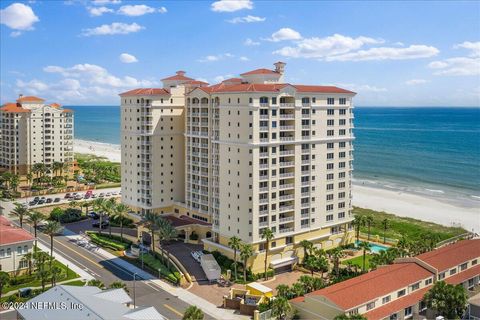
(413, 82)
(231, 5)
(18, 17)
(103, 2)
(218, 79)
(244, 59)
(33, 86)
(246, 19)
(388, 53)
(285, 34)
(139, 10)
(474, 47)
(98, 11)
(114, 28)
(211, 58)
(319, 48)
(249, 42)
(458, 66)
(128, 58)
(362, 87)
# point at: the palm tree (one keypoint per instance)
(121, 211)
(35, 217)
(43, 276)
(51, 228)
(55, 273)
(358, 222)
(335, 255)
(369, 221)
(109, 209)
(4, 279)
(283, 291)
(40, 258)
(447, 299)
(20, 211)
(385, 225)
(403, 245)
(150, 222)
(281, 308)
(246, 251)
(118, 285)
(298, 289)
(73, 204)
(96, 283)
(311, 262)
(30, 180)
(267, 234)
(28, 257)
(235, 243)
(56, 166)
(166, 234)
(307, 246)
(98, 206)
(365, 246)
(14, 182)
(193, 313)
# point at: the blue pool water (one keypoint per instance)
(375, 248)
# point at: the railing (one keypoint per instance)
(287, 197)
(286, 186)
(286, 152)
(263, 200)
(263, 128)
(305, 115)
(263, 177)
(263, 224)
(287, 174)
(287, 164)
(285, 128)
(306, 127)
(263, 139)
(305, 161)
(305, 150)
(287, 105)
(264, 116)
(286, 219)
(287, 138)
(287, 116)
(263, 154)
(265, 189)
(284, 230)
(285, 208)
(263, 213)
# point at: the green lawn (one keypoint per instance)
(78, 283)
(359, 261)
(409, 227)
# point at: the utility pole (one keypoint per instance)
(134, 304)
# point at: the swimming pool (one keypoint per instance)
(375, 248)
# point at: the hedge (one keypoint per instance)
(109, 242)
(156, 265)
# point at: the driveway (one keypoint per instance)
(86, 225)
(181, 251)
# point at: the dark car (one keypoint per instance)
(105, 224)
(41, 201)
(94, 215)
(33, 203)
(36, 198)
(49, 200)
(57, 200)
(87, 196)
(68, 195)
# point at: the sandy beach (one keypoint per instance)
(395, 202)
(107, 150)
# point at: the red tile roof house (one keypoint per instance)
(395, 291)
(14, 244)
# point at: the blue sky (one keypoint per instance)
(392, 53)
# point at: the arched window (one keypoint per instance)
(305, 100)
(195, 101)
(263, 99)
(283, 100)
(204, 101)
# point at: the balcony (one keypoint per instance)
(263, 139)
(305, 150)
(287, 174)
(287, 128)
(305, 115)
(263, 213)
(287, 197)
(286, 219)
(263, 224)
(263, 166)
(287, 105)
(285, 230)
(305, 172)
(305, 205)
(264, 116)
(286, 186)
(263, 154)
(263, 128)
(287, 164)
(304, 215)
(305, 183)
(287, 138)
(265, 200)
(305, 194)
(306, 161)
(288, 116)
(286, 152)
(306, 127)
(263, 177)
(265, 189)
(286, 208)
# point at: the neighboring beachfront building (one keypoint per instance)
(246, 154)
(396, 291)
(15, 243)
(85, 303)
(34, 132)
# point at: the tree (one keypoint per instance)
(308, 282)
(109, 210)
(365, 246)
(57, 167)
(281, 308)
(150, 222)
(283, 291)
(193, 313)
(4, 279)
(43, 276)
(28, 257)
(235, 243)
(312, 263)
(30, 179)
(96, 283)
(35, 217)
(369, 221)
(166, 233)
(246, 251)
(358, 222)
(298, 289)
(267, 234)
(98, 206)
(448, 300)
(384, 257)
(307, 247)
(118, 285)
(335, 256)
(40, 258)
(121, 211)
(51, 228)
(385, 225)
(350, 317)
(55, 273)
(20, 211)
(14, 181)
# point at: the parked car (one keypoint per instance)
(78, 197)
(36, 198)
(108, 194)
(114, 193)
(56, 200)
(42, 198)
(40, 202)
(89, 192)
(49, 200)
(94, 195)
(33, 203)
(87, 196)
(68, 195)
(105, 224)
(101, 195)
(94, 215)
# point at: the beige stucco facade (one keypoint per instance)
(261, 154)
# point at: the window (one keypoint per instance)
(23, 264)
(330, 112)
(428, 281)
(408, 312)
(474, 262)
(305, 100)
(453, 271)
(330, 100)
(370, 305)
(343, 112)
(330, 217)
(386, 299)
(415, 286)
(441, 276)
(329, 208)
(401, 293)
(288, 240)
(342, 101)
(463, 266)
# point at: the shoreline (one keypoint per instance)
(434, 208)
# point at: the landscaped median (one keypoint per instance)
(109, 241)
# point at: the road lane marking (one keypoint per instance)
(173, 310)
(152, 286)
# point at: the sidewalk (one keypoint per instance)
(182, 294)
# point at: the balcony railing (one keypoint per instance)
(287, 105)
(287, 174)
(284, 230)
(287, 116)
(286, 219)
(287, 164)
(286, 152)
(286, 186)
(287, 197)
(287, 138)
(287, 128)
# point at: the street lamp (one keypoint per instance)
(134, 304)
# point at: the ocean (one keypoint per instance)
(429, 151)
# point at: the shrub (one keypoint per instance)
(127, 222)
(107, 242)
(56, 214)
(193, 236)
(156, 265)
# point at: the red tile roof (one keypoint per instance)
(180, 75)
(325, 89)
(13, 107)
(396, 305)
(452, 255)
(233, 80)
(260, 71)
(463, 276)
(30, 99)
(374, 284)
(197, 82)
(67, 110)
(10, 234)
(55, 105)
(184, 221)
(146, 92)
(271, 87)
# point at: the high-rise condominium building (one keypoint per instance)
(246, 154)
(34, 132)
